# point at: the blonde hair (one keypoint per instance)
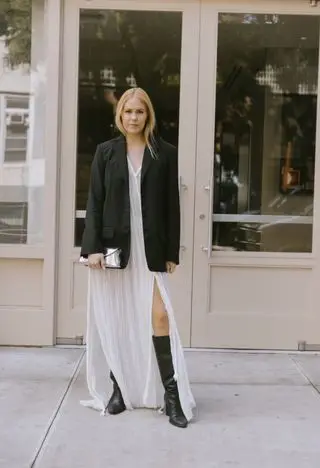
(149, 129)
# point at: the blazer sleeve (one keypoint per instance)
(173, 208)
(92, 240)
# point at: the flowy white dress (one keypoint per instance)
(119, 327)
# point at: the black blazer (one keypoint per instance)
(108, 209)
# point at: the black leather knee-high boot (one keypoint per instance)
(116, 404)
(171, 397)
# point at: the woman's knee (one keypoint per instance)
(161, 321)
(159, 314)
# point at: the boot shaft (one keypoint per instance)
(164, 357)
(172, 401)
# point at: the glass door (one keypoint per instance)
(265, 132)
(258, 143)
(106, 51)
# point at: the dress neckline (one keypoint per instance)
(135, 173)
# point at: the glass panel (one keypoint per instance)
(118, 50)
(266, 94)
(17, 102)
(22, 120)
(13, 223)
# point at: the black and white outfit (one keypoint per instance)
(139, 212)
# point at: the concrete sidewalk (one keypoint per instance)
(254, 411)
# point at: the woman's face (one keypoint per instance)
(134, 116)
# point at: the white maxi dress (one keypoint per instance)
(119, 328)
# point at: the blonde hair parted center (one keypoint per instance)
(148, 132)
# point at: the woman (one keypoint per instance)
(133, 205)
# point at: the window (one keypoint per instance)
(13, 223)
(265, 135)
(119, 50)
(22, 121)
(16, 128)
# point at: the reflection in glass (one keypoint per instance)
(22, 120)
(267, 75)
(119, 50)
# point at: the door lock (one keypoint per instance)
(202, 216)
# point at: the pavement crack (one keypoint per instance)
(57, 410)
(305, 375)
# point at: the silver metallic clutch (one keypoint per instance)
(112, 258)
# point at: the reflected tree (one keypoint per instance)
(15, 26)
(122, 49)
(140, 48)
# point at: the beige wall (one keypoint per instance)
(22, 313)
(27, 272)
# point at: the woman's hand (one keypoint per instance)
(96, 261)
(171, 267)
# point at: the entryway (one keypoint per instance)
(109, 47)
(236, 88)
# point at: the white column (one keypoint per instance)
(36, 149)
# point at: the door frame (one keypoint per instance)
(204, 259)
(70, 317)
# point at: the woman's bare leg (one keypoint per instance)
(160, 321)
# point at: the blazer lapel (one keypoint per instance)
(147, 158)
(120, 158)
